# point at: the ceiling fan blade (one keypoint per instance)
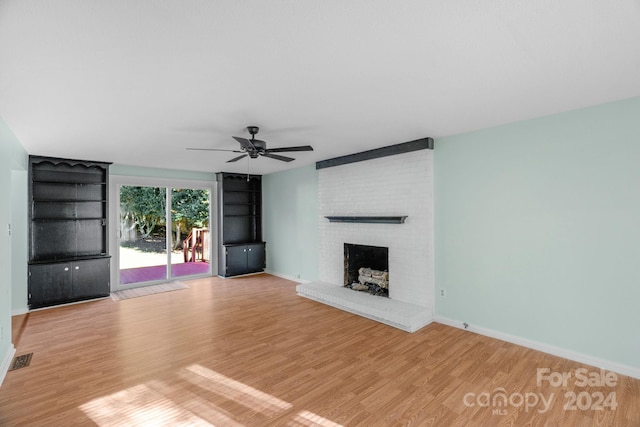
(235, 159)
(212, 149)
(275, 156)
(285, 149)
(245, 143)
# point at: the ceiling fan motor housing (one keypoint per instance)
(260, 145)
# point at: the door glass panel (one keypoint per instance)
(190, 232)
(143, 239)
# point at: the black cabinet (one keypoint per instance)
(244, 258)
(240, 246)
(68, 229)
(63, 282)
(49, 284)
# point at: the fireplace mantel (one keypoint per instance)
(368, 219)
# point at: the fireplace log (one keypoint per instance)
(376, 277)
(359, 287)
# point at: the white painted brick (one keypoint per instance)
(394, 185)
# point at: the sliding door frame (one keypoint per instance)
(117, 181)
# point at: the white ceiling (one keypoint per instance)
(136, 82)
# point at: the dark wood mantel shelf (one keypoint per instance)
(369, 219)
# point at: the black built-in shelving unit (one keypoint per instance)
(240, 246)
(68, 230)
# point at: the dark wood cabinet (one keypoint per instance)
(240, 247)
(244, 258)
(49, 284)
(68, 230)
(63, 282)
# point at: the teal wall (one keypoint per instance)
(118, 169)
(290, 222)
(12, 158)
(19, 240)
(537, 229)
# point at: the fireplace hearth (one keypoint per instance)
(366, 268)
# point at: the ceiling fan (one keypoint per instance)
(254, 148)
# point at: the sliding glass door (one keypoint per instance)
(143, 237)
(190, 230)
(156, 244)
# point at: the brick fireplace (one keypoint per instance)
(399, 185)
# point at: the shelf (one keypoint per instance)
(48, 181)
(67, 201)
(368, 219)
(68, 259)
(79, 180)
(230, 245)
(52, 219)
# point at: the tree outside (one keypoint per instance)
(143, 219)
(189, 209)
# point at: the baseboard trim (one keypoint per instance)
(6, 363)
(84, 301)
(19, 311)
(241, 275)
(286, 276)
(545, 348)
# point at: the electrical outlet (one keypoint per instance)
(443, 293)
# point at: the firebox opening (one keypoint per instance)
(366, 268)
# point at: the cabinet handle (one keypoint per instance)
(66, 269)
(77, 267)
(244, 250)
(249, 249)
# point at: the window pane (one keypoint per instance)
(190, 232)
(143, 253)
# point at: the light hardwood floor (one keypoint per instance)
(249, 351)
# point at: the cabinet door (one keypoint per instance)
(49, 284)
(255, 257)
(90, 278)
(236, 257)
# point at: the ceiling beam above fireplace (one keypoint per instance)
(368, 219)
(405, 147)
